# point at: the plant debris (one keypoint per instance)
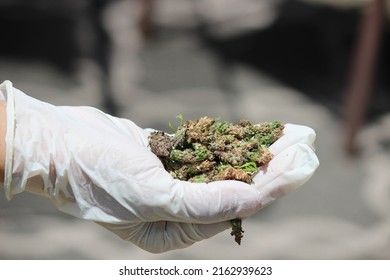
(206, 150)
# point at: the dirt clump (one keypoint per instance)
(206, 150)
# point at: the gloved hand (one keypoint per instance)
(98, 167)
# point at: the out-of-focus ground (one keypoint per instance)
(343, 212)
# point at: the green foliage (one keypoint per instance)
(201, 152)
(248, 167)
(221, 127)
(200, 179)
(181, 122)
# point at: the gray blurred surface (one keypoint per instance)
(343, 212)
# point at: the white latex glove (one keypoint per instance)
(98, 167)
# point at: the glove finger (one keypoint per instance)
(287, 171)
(127, 183)
(199, 202)
(294, 134)
(148, 193)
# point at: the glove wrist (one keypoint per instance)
(6, 93)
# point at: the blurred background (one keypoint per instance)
(320, 63)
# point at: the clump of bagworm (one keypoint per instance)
(206, 150)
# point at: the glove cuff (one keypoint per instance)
(7, 93)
